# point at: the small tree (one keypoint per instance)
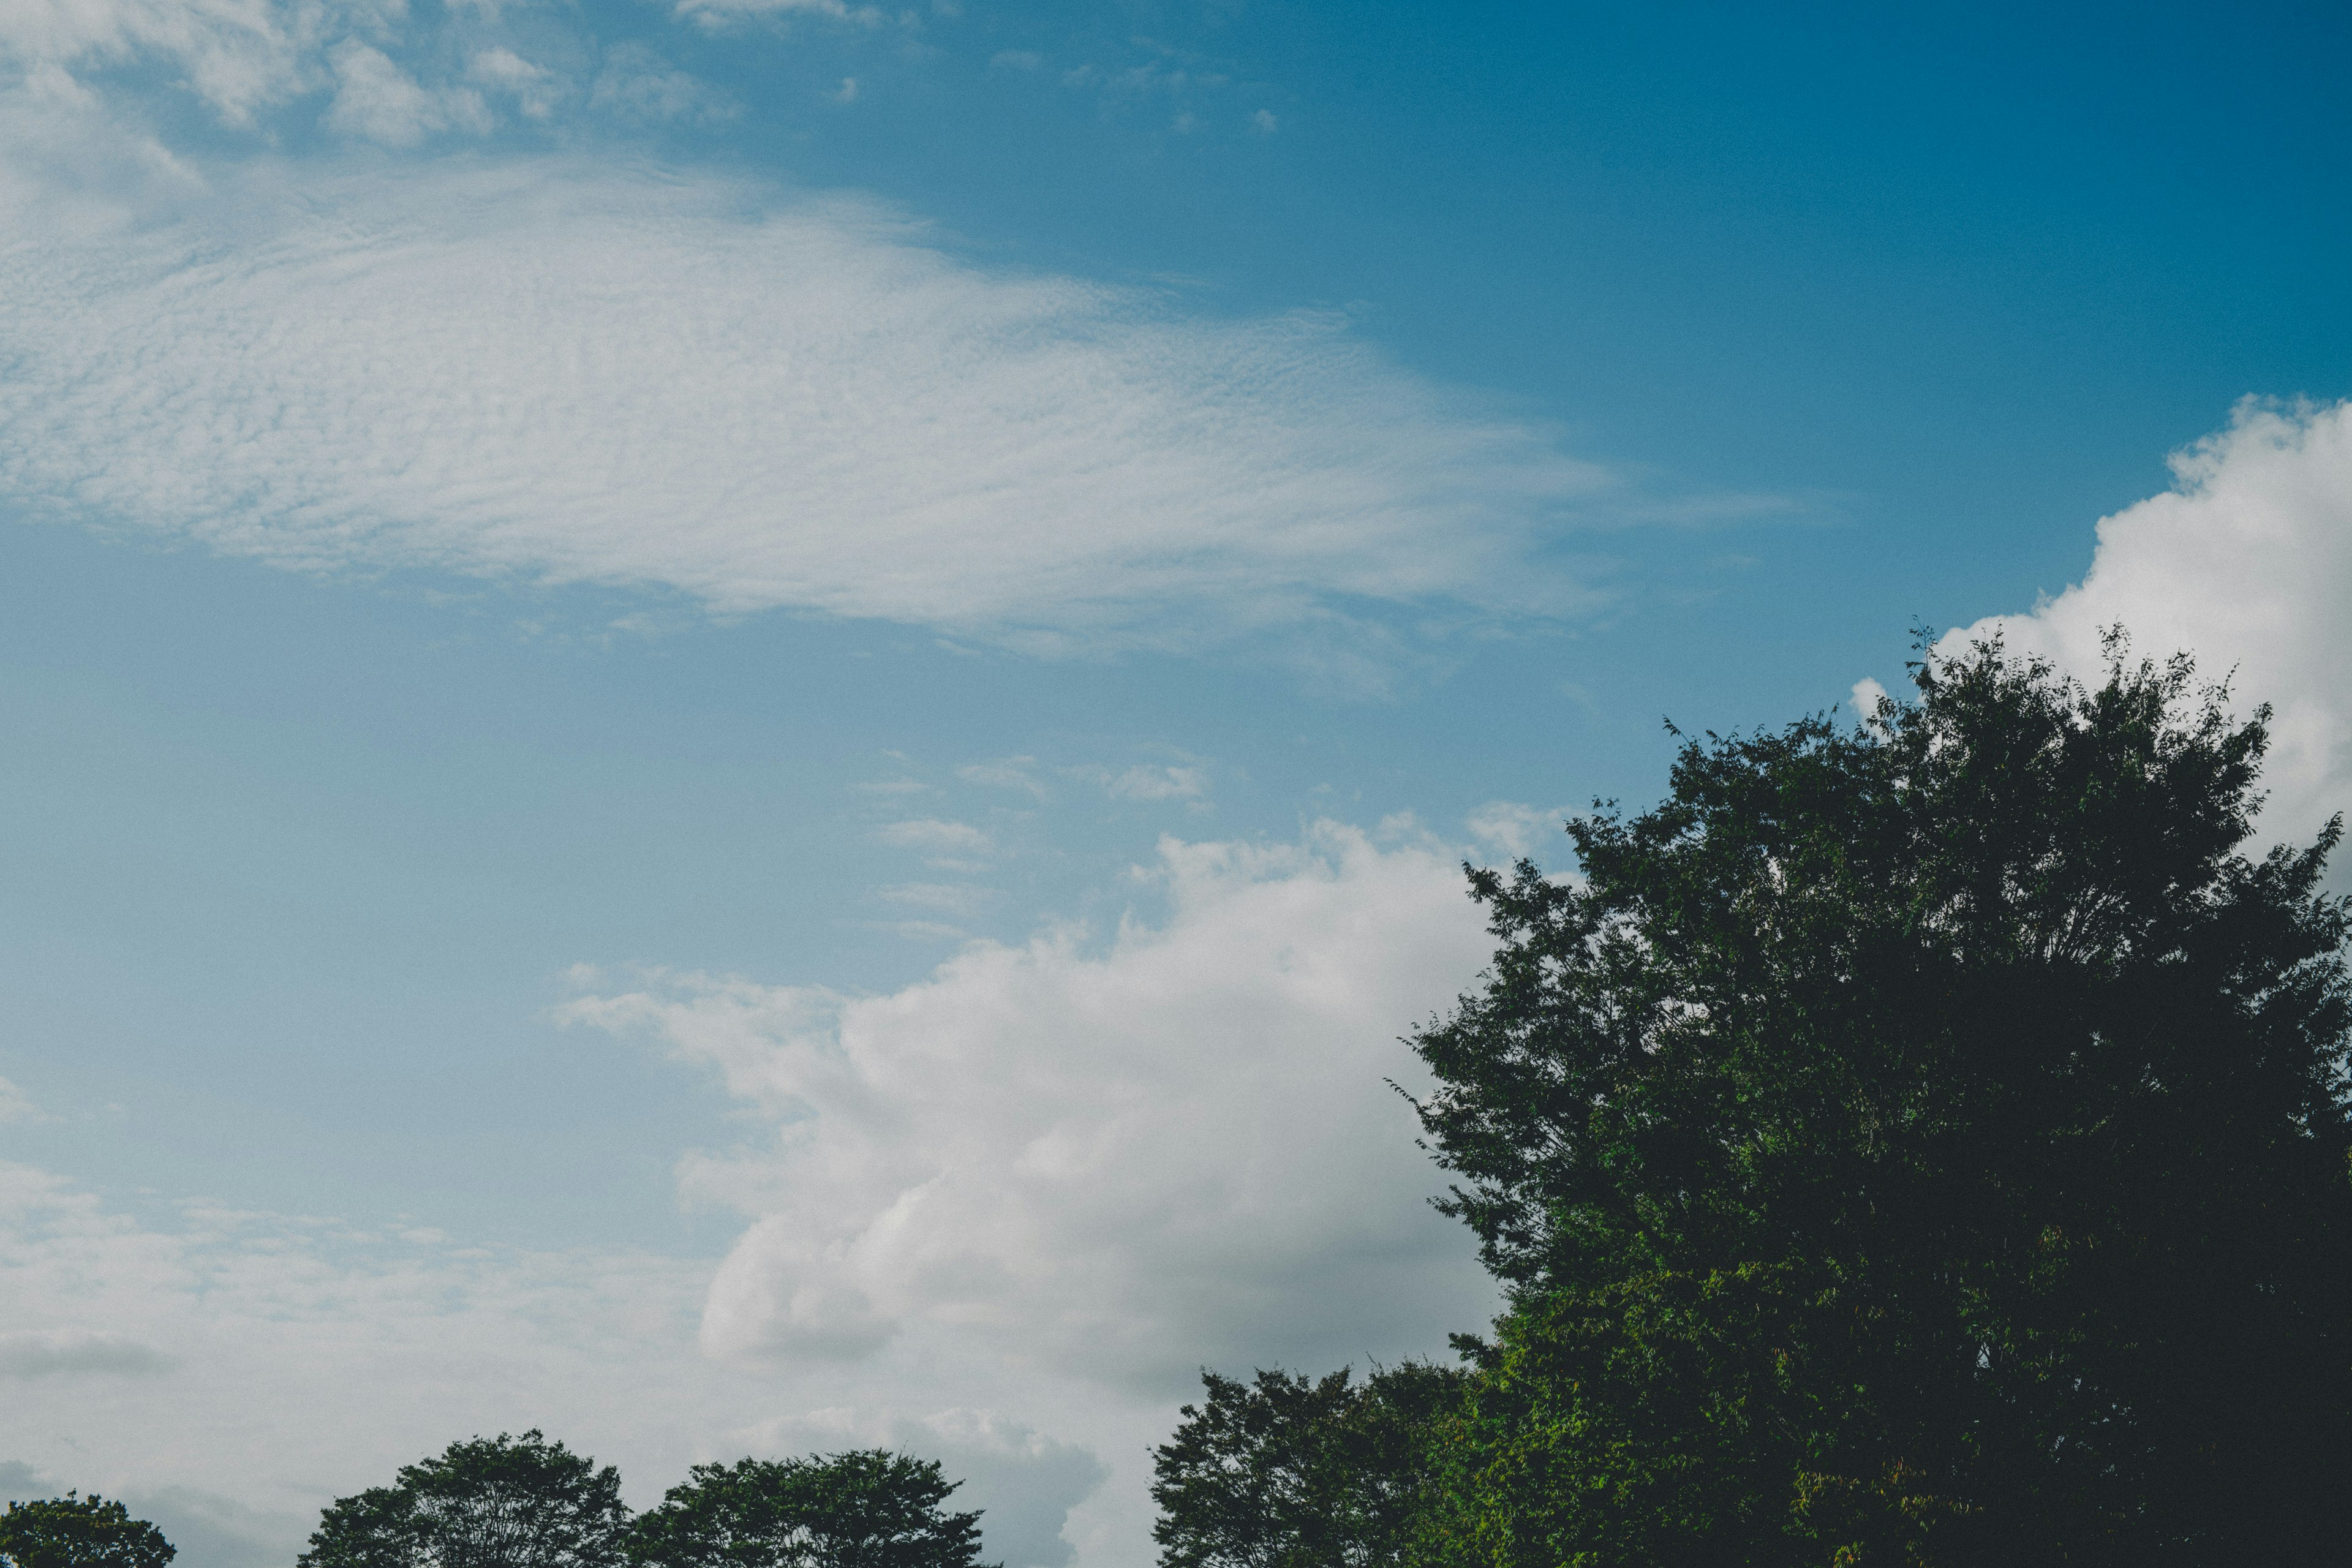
(487, 1502)
(1287, 1471)
(867, 1509)
(76, 1532)
(1922, 1142)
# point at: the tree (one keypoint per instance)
(867, 1509)
(76, 1532)
(1287, 1471)
(1919, 1142)
(487, 1502)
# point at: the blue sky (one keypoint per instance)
(720, 714)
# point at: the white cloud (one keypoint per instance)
(998, 1217)
(238, 56)
(716, 13)
(1008, 773)
(15, 1105)
(535, 89)
(2247, 562)
(930, 834)
(1164, 782)
(1263, 122)
(1516, 830)
(637, 83)
(376, 99)
(1122, 1164)
(559, 372)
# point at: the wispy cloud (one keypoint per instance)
(1007, 772)
(932, 836)
(552, 371)
(1153, 782)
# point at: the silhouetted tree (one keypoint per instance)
(1922, 1142)
(487, 1502)
(866, 1509)
(1286, 1471)
(76, 1532)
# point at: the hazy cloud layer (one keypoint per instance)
(2247, 562)
(998, 1216)
(1180, 1148)
(230, 1372)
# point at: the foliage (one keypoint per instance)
(868, 1509)
(1922, 1142)
(1293, 1472)
(487, 1502)
(76, 1532)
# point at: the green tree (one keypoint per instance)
(1286, 1471)
(487, 1502)
(76, 1532)
(866, 1509)
(1918, 1142)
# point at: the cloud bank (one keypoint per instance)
(2246, 563)
(1119, 1165)
(999, 1216)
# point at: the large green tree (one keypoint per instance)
(76, 1532)
(1286, 1471)
(487, 1502)
(1923, 1142)
(865, 1509)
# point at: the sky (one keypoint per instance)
(744, 726)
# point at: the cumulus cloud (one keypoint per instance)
(2246, 563)
(559, 372)
(238, 56)
(1121, 1162)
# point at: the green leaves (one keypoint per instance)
(1290, 1472)
(1918, 1142)
(487, 1502)
(868, 1509)
(76, 1532)
(525, 1502)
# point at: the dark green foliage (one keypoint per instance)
(76, 1532)
(1293, 1472)
(869, 1509)
(488, 1502)
(1919, 1143)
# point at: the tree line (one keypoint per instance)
(528, 1502)
(1922, 1142)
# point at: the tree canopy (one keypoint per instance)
(486, 1502)
(76, 1532)
(1923, 1142)
(1285, 1471)
(865, 1509)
